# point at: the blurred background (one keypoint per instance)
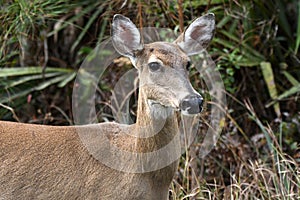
(255, 48)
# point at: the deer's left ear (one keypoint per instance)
(126, 37)
(198, 35)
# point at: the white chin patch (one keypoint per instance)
(159, 111)
(186, 112)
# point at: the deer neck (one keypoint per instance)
(156, 124)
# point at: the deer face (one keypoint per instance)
(163, 67)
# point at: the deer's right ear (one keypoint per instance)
(198, 35)
(126, 37)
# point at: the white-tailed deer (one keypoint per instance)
(47, 162)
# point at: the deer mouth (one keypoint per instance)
(173, 105)
(190, 105)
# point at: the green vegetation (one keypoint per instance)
(256, 50)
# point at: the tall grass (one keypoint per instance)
(272, 174)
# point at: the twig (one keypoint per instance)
(140, 17)
(11, 110)
(63, 113)
(46, 55)
(180, 16)
(208, 5)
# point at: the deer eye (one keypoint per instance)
(188, 66)
(154, 66)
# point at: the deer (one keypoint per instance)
(51, 162)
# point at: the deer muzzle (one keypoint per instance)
(191, 105)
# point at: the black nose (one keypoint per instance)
(191, 104)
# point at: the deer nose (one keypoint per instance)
(191, 104)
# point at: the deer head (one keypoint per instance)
(164, 67)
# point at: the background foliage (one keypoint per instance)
(256, 48)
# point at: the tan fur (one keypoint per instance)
(48, 162)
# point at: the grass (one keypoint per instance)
(232, 172)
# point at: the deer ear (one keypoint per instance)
(198, 35)
(126, 37)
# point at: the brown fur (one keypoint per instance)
(49, 162)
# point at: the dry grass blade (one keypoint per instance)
(12, 111)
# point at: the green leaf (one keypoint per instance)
(283, 21)
(223, 21)
(49, 82)
(293, 90)
(291, 78)
(87, 26)
(40, 86)
(243, 44)
(17, 71)
(25, 79)
(268, 75)
(67, 80)
(298, 30)
(71, 20)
